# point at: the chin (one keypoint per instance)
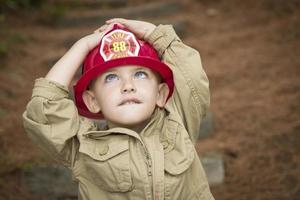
(130, 121)
(129, 118)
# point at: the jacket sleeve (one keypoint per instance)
(191, 93)
(51, 120)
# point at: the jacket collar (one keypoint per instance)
(155, 123)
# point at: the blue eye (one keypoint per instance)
(141, 75)
(111, 77)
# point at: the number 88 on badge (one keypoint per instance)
(119, 44)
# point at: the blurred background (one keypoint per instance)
(250, 142)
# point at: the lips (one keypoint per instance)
(129, 101)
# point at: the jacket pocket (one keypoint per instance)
(178, 148)
(106, 163)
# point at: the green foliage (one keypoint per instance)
(3, 48)
(9, 40)
(7, 5)
(27, 166)
(2, 18)
(51, 14)
(292, 32)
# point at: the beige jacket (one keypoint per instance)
(158, 163)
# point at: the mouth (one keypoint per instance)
(130, 101)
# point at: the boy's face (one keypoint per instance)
(127, 95)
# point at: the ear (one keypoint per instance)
(90, 101)
(163, 92)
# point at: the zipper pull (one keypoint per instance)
(149, 172)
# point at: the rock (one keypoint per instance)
(213, 165)
(52, 181)
(212, 12)
(207, 126)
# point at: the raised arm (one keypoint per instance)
(64, 70)
(191, 97)
(51, 118)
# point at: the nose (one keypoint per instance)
(128, 86)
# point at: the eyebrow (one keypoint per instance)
(143, 68)
(134, 69)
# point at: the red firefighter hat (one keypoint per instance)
(118, 47)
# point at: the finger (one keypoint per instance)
(97, 30)
(117, 20)
(113, 20)
(107, 28)
(103, 27)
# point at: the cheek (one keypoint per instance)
(151, 95)
(147, 87)
(105, 96)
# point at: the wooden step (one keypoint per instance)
(98, 17)
(90, 4)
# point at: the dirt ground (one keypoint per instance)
(250, 51)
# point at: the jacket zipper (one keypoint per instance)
(148, 160)
(149, 164)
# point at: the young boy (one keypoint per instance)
(146, 150)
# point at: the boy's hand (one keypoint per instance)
(140, 28)
(93, 39)
(64, 69)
